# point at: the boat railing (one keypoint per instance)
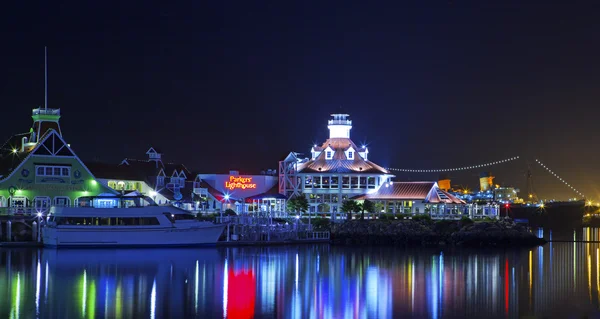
(249, 220)
(23, 211)
(313, 235)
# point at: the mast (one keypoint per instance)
(46, 78)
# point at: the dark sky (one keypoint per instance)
(239, 85)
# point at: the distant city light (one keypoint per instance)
(226, 197)
(14, 151)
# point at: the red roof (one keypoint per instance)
(425, 191)
(339, 162)
(401, 190)
(340, 143)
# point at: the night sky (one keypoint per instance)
(239, 85)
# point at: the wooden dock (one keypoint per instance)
(21, 244)
(272, 243)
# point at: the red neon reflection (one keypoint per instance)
(241, 294)
(506, 295)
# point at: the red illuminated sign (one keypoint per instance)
(238, 182)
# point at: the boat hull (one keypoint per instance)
(91, 236)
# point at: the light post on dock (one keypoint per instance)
(39, 226)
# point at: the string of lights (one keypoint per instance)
(440, 170)
(559, 178)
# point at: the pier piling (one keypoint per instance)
(8, 230)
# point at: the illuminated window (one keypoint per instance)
(350, 155)
(57, 171)
(160, 181)
(328, 155)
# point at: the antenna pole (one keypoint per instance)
(46, 78)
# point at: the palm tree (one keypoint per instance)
(367, 206)
(350, 206)
(378, 208)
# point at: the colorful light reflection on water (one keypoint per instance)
(559, 279)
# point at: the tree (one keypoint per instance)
(302, 204)
(379, 207)
(297, 204)
(350, 206)
(367, 206)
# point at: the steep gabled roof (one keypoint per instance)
(339, 143)
(9, 160)
(339, 163)
(142, 167)
(441, 196)
(152, 150)
(114, 171)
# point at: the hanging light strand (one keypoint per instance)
(452, 169)
(560, 178)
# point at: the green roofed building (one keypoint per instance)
(39, 169)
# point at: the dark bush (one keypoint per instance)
(422, 217)
(466, 221)
(321, 224)
(230, 212)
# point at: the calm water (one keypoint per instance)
(558, 280)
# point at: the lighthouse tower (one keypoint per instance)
(44, 119)
(340, 126)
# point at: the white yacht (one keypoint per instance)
(136, 221)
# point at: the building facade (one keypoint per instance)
(165, 183)
(416, 198)
(241, 193)
(39, 169)
(337, 170)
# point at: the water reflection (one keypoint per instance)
(558, 279)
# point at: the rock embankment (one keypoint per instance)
(426, 232)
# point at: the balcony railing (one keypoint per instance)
(22, 211)
(43, 111)
(339, 122)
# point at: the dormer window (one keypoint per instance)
(328, 155)
(350, 155)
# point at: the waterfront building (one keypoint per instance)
(339, 170)
(165, 183)
(39, 169)
(336, 171)
(507, 195)
(242, 193)
(425, 198)
(486, 181)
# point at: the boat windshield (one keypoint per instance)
(115, 201)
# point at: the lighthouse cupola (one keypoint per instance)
(339, 126)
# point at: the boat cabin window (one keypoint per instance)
(115, 202)
(184, 217)
(107, 221)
